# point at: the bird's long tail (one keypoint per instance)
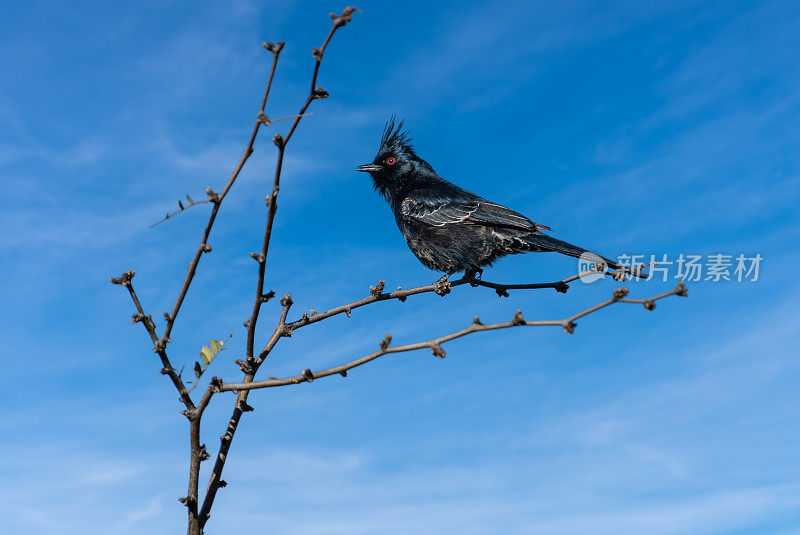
(543, 242)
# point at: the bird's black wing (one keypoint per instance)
(450, 204)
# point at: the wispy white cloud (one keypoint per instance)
(481, 44)
(132, 518)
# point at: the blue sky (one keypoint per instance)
(628, 128)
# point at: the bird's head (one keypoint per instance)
(396, 163)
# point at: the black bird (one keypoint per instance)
(447, 227)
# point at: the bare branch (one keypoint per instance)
(217, 198)
(435, 344)
(252, 363)
(281, 142)
(442, 289)
(181, 208)
(159, 343)
(126, 280)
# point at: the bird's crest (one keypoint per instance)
(395, 139)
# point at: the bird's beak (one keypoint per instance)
(369, 168)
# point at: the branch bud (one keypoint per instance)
(216, 383)
(377, 290)
(437, 351)
(442, 288)
(344, 18)
(620, 293)
(649, 304)
(681, 290)
(569, 327)
(243, 365)
(275, 48)
(518, 319)
(213, 197)
(124, 279)
(307, 375)
(385, 342)
(402, 298)
(206, 248)
(321, 92)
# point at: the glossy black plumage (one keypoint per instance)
(448, 228)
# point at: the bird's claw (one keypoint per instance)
(473, 275)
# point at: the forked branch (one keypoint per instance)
(217, 198)
(377, 293)
(252, 363)
(435, 344)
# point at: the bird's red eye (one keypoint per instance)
(390, 161)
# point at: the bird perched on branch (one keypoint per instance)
(448, 228)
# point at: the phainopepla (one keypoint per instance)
(447, 227)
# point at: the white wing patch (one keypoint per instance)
(440, 213)
(437, 217)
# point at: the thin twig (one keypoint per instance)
(197, 453)
(568, 324)
(252, 363)
(181, 208)
(240, 408)
(126, 280)
(266, 121)
(377, 294)
(217, 198)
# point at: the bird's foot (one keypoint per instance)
(473, 275)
